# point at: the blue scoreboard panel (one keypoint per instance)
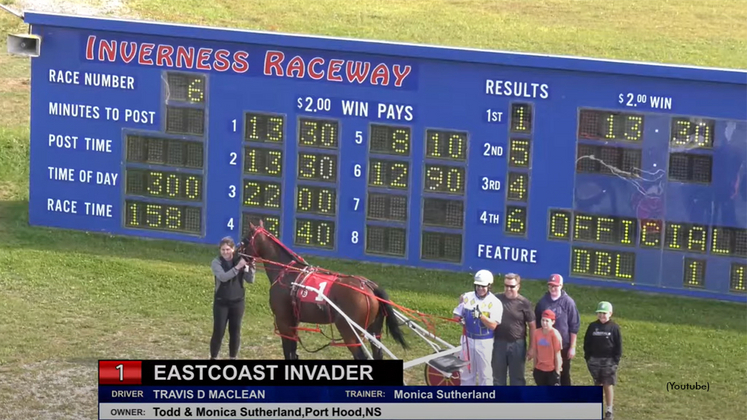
(610, 173)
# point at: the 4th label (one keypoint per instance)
(488, 218)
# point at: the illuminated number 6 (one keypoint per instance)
(193, 90)
(320, 293)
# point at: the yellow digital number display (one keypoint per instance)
(521, 118)
(685, 237)
(441, 144)
(390, 139)
(560, 225)
(319, 200)
(694, 273)
(446, 179)
(650, 236)
(317, 167)
(516, 220)
(271, 223)
(165, 217)
(261, 161)
(518, 152)
(388, 174)
(186, 87)
(264, 128)
(736, 278)
(605, 125)
(319, 133)
(605, 229)
(518, 186)
(729, 241)
(607, 264)
(316, 233)
(172, 185)
(692, 132)
(261, 194)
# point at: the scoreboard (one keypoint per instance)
(616, 174)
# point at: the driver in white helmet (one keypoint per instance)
(480, 312)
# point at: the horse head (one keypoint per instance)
(260, 243)
(255, 242)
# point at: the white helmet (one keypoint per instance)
(483, 278)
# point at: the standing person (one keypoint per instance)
(602, 351)
(545, 351)
(480, 312)
(230, 273)
(567, 321)
(510, 344)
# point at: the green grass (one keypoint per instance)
(69, 298)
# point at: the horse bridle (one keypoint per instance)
(257, 231)
(244, 243)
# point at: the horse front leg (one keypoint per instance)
(289, 337)
(289, 349)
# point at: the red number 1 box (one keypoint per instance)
(120, 372)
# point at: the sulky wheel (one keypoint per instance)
(434, 377)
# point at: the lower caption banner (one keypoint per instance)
(319, 390)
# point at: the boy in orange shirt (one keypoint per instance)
(546, 352)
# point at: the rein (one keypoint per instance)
(297, 259)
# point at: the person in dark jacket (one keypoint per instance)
(230, 271)
(567, 321)
(602, 351)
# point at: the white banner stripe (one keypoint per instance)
(320, 411)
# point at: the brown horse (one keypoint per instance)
(359, 298)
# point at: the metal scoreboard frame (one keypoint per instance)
(612, 173)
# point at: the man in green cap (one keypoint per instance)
(602, 351)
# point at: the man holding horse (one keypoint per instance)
(480, 312)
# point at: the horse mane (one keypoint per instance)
(284, 249)
(293, 256)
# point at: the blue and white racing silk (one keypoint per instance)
(477, 341)
(490, 306)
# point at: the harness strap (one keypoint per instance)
(301, 267)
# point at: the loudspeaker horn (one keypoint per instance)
(26, 45)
